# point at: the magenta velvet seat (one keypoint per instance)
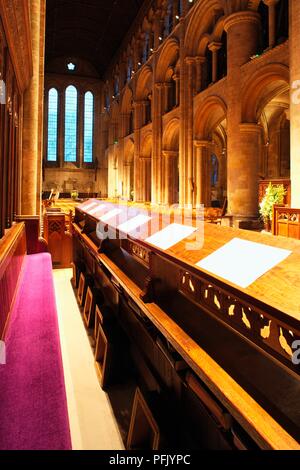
(33, 406)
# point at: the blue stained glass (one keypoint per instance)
(88, 127)
(71, 125)
(52, 125)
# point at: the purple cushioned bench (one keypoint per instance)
(33, 406)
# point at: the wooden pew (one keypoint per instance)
(286, 222)
(227, 336)
(57, 233)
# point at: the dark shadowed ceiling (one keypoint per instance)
(88, 29)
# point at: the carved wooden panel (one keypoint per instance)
(139, 252)
(286, 222)
(260, 327)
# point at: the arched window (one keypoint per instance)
(71, 125)
(52, 125)
(214, 170)
(146, 47)
(88, 127)
(129, 68)
(116, 86)
(169, 19)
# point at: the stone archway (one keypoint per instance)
(267, 102)
(128, 170)
(210, 153)
(145, 169)
(170, 163)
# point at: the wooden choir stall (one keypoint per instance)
(205, 320)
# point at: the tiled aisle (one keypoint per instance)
(93, 425)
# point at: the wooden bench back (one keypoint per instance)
(12, 255)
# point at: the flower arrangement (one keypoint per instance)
(274, 195)
(74, 195)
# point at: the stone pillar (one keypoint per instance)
(242, 41)
(137, 143)
(61, 127)
(157, 143)
(80, 128)
(214, 47)
(33, 117)
(295, 100)
(199, 62)
(272, 21)
(188, 119)
(202, 172)
(176, 78)
(170, 175)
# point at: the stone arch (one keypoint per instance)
(210, 143)
(201, 21)
(128, 169)
(145, 167)
(168, 57)
(208, 116)
(170, 162)
(144, 84)
(264, 85)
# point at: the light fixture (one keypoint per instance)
(160, 38)
(177, 17)
(139, 64)
(151, 50)
(71, 66)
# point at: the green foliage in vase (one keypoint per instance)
(274, 195)
(74, 194)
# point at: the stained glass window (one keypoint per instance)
(88, 127)
(71, 125)
(52, 125)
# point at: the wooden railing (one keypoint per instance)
(286, 222)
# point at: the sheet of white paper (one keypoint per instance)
(170, 235)
(89, 206)
(96, 209)
(110, 215)
(242, 262)
(134, 223)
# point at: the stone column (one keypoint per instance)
(157, 143)
(295, 99)
(242, 41)
(32, 117)
(80, 128)
(137, 136)
(170, 159)
(188, 119)
(199, 62)
(202, 173)
(272, 21)
(176, 78)
(61, 127)
(214, 47)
